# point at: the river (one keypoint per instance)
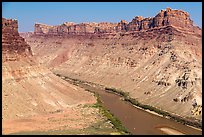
(138, 121)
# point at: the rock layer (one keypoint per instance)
(168, 17)
(30, 92)
(13, 45)
(163, 52)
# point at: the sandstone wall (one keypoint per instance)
(13, 45)
(176, 18)
(9, 25)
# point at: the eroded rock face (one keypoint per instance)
(29, 89)
(13, 45)
(121, 26)
(163, 52)
(168, 17)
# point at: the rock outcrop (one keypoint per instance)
(13, 45)
(157, 60)
(31, 92)
(168, 17)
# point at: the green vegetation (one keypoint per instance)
(106, 113)
(133, 101)
(120, 92)
(154, 109)
(115, 121)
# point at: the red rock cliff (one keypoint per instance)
(13, 45)
(176, 18)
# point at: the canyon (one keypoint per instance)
(165, 55)
(155, 60)
(34, 99)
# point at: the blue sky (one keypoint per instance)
(55, 13)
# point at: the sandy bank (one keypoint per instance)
(171, 131)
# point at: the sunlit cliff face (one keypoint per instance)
(28, 88)
(168, 17)
(157, 60)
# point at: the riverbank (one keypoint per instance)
(135, 103)
(84, 118)
(121, 130)
(154, 110)
(106, 113)
(170, 131)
